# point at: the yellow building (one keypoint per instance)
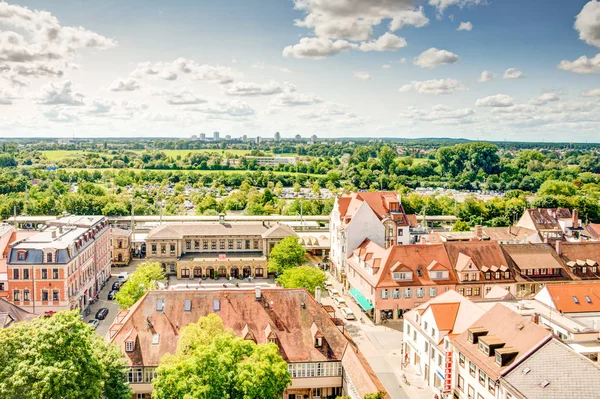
(121, 246)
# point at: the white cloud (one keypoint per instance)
(441, 5)
(386, 42)
(486, 76)
(512, 73)
(414, 18)
(254, 89)
(582, 65)
(434, 57)
(60, 115)
(468, 26)
(386, 66)
(499, 100)
(6, 96)
(182, 66)
(292, 99)
(362, 75)
(59, 93)
(128, 84)
(439, 115)
(402, 61)
(46, 47)
(181, 96)
(545, 99)
(225, 109)
(441, 86)
(315, 47)
(592, 93)
(587, 23)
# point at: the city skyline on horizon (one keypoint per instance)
(385, 69)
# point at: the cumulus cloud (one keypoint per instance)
(254, 89)
(181, 96)
(182, 66)
(592, 93)
(293, 98)
(434, 57)
(386, 42)
(587, 23)
(441, 5)
(468, 26)
(59, 93)
(439, 115)
(486, 76)
(545, 99)
(512, 73)
(499, 100)
(362, 75)
(60, 115)
(128, 84)
(6, 96)
(317, 48)
(440, 86)
(225, 109)
(46, 47)
(386, 66)
(415, 17)
(582, 65)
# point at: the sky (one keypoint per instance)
(515, 70)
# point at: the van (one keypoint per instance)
(123, 276)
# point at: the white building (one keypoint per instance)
(273, 161)
(277, 137)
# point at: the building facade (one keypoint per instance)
(61, 267)
(121, 244)
(209, 250)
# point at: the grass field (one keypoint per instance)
(57, 155)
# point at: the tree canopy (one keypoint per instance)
(308, 277)
(287, 253)
(212, 363)
(145, 278)
(59, 358)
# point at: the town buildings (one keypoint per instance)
(272, 161)
(206, 250)
(60, 267)
(121, 245)
(7, 235)
(378, 216)
(11, 314)
(553, 224)
(322, 361)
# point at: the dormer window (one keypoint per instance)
(21, 255)
(49, 257)
(318, 342)
(129, 346)
(400, 276)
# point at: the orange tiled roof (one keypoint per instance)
(563, 296)
(445, 315)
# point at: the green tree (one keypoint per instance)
(212, 363)
(308, 277)
(376, 395)
(59, 357)
(287, 253)
(461, 226)
(557, 187)
(386, 157)
(145, 278)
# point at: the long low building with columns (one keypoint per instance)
(209, 250)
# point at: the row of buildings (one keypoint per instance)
(503, 348)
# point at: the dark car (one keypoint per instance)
(111, 295)
(101, 313)
(116, 286)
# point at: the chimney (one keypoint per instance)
(479, 232)
(575, 219)
(318, 295)
(558, 246)
(535, 318)
(53, 233)
(423, 240)
(258, 294)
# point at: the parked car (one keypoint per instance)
(94, 323)
(328, 285)
(340, 302)
(111, 295)
(116, 286)
(123, 276)
(348, 314)
(101, 313)
(333, 292)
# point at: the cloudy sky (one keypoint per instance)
(478, 69)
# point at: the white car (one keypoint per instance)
(94, 323)
(340, 302)
(123, 276)
(333, 292)
(328, 284)
(347, 313)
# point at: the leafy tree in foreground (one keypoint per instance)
(212, 363)
(288, 253)
(145, 278)
(302, 277)
(59, 357)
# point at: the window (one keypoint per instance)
(575, 300)
(2, 287)
(469, 291)
(135, 375)
(497, 276)
(255, 244)
(16, 295)
(213, 244)
(49, 257)
(433, 332)
(491, 385)
(482, 377)
(461, 383)
(229, 244)
(461, 359)
(432, 292)
(396, 293)
(476, 291)
(425, 325)
(155, 339)
(484, 348)
(507, 275)
(384, 294)
(426, 347)
(221, 244)
(407, 293)
(55, 295)
(440, 359)
(44, 274)
(154, 249)
(488, 276)
(26, 297)
(588, 299)
(472, 369)
(247, 244)
(55, 274)
(420, 293)
(15, 274)
(188, 244)
(316, 392)
(25, 274)
(172, 249)
(239, 244)
(408, 329)
(471, 392)
(205, 245)
(474, 277)
(21, 255)
(196, 244)
(44, 296)
(461, 291)
(163, 248)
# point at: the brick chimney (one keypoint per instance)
(479, 232)
(575, 219)
(558, 246)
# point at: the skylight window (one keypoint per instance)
(526, 370)
(216, 305)
(588, 299)
(545, 383)
(155, 339)
(187, 305)
(575, 300)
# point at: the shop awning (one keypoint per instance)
(360, 298)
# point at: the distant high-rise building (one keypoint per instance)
(277, 137)
(298, 137)
(228, 137)
(314, 138)
(257, 139)
(244, 138)
(216, 136)
(203, 136)
(194, 137)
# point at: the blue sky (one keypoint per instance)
(332, 68)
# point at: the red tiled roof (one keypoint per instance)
(563, 296)
(445, 315)
(378, 201)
